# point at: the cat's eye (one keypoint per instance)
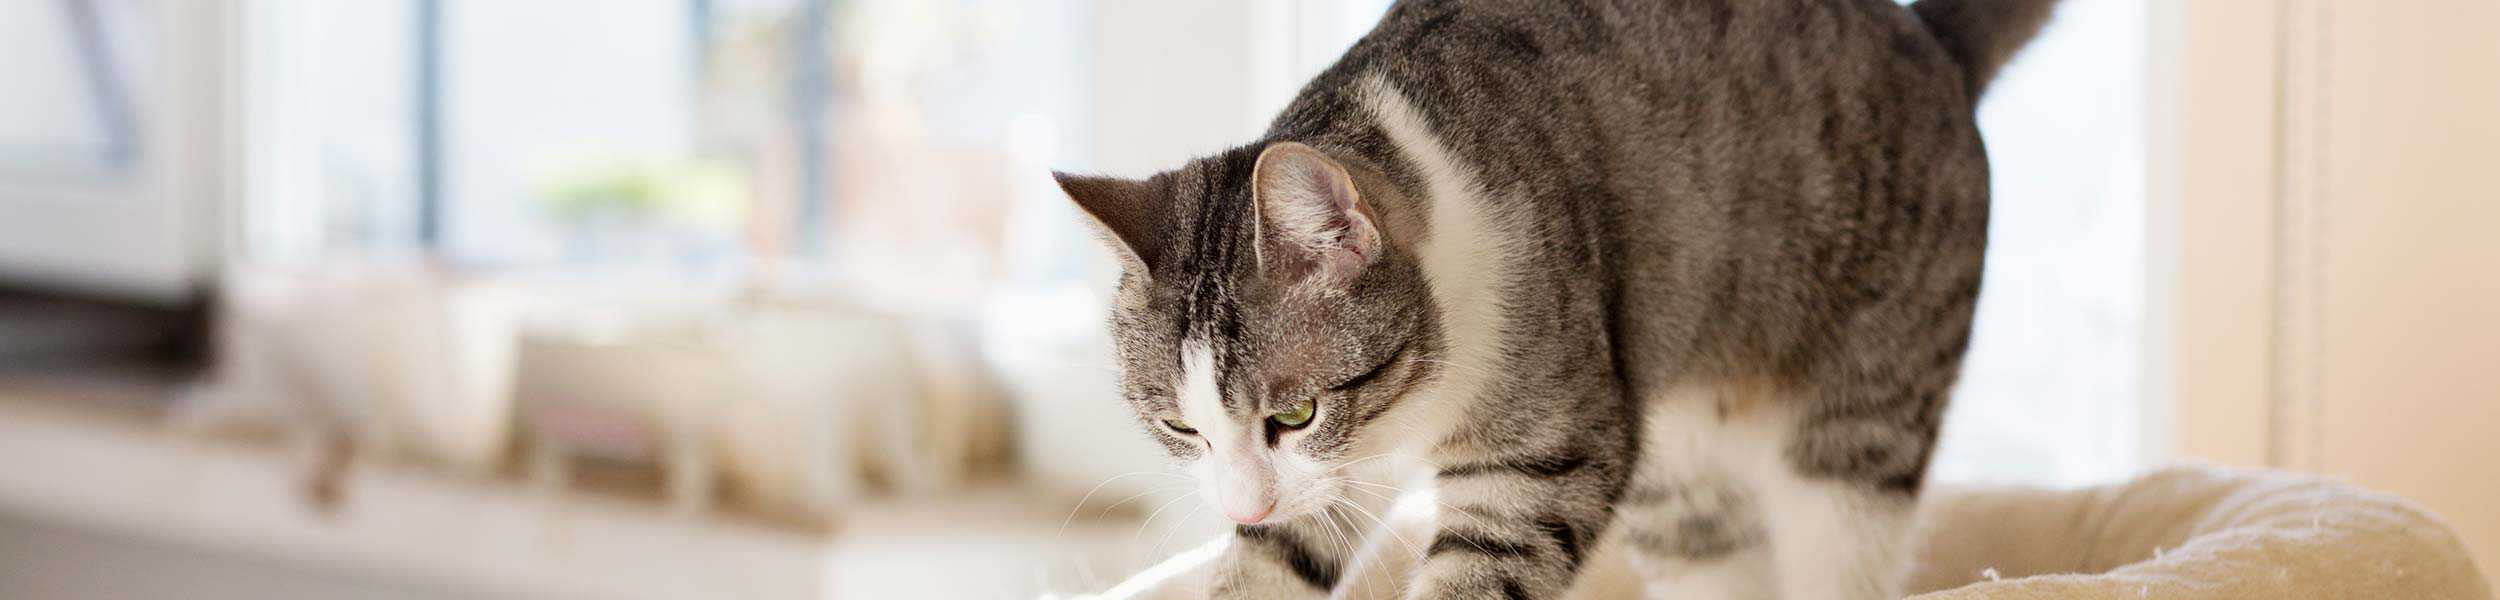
(1296, 416)
(1180, 425)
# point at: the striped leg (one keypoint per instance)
(1300, 558)
(1838, 540)
(1696, 539)
(1518, 527)
(1842, 508)
(1693, 530)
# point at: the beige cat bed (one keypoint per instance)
(2177, 533)
(2191, 533)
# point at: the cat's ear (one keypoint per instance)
(1124, 211)
(1312, 221)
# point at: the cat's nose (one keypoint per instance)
(1247, 500)
(1249, 516)
(1246, 491)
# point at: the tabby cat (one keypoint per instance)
(1700, 270)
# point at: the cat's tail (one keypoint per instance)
(1983, 34)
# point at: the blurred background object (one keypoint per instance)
(775, 298)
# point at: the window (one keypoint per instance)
(329, 108)
(112, 131)
(80, 69)
(691, 137)
(2050, 391)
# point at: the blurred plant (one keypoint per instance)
(702, 195)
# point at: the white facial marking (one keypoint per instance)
(1465, 258)
(1236, 473)
(1202, 401)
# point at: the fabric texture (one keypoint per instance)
(2190, 533)
(2182, 532)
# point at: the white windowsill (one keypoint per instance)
(93, 464)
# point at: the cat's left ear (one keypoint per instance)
(1312, 221)
(1128, 215)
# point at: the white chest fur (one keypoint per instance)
(1467, 259)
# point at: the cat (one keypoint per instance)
(1698, 270)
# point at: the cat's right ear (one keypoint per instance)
(1124, 212)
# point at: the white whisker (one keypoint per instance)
(1133, 497)
(1167, 533)
(1385, 527)
(1328, 518)
(1352, 560)
(1150, 519)
(1089, 495)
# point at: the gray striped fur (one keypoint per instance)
(1784, 192)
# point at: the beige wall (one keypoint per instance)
(2225, 283)
(2337, 300)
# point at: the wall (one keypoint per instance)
(2408, 291)
(1169, 83)
(2337, 298)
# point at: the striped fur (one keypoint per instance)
(1698, 269)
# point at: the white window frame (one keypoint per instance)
(156, 235)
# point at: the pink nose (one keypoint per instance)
(1252, 517)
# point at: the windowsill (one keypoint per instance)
(88, 461)
(121, 474)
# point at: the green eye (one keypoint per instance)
(1296, 416)
(1179, 425)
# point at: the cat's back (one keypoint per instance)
(1778, 170)
(1568, 42)
(1540, 90)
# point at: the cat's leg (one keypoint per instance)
(1834, 539)
(1517, 524)
(1391, 549)
(1697, 539)
(1300, 558)
(1693, 531)
(1841, 510)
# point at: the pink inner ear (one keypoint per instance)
(1310, 207)
(1356, 245)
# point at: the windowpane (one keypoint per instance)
(684, 136)
(2050, 390)
(329, 104)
